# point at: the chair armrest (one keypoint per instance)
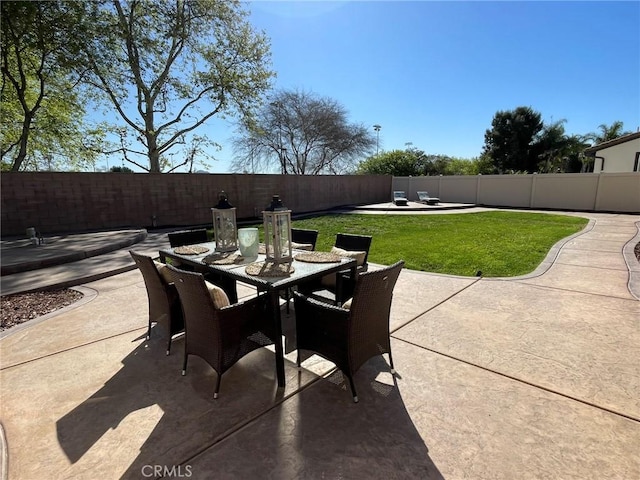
(260, 299)
(323, 308)
(346, 274)
(246, 317)
(322, 328)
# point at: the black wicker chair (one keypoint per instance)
(187, 237)
(350, 337)
(302, 236)
(164, 304)
(223, 336)
(345, 241)
(191, 237)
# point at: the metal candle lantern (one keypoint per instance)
(277, 232)
(224, 225)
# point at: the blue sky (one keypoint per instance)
(435, 73)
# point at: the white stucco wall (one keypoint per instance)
(618, 158)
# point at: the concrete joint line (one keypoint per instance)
(433, 307)
(73, 348)
(246, 423)
(581, 292)
(520, 380)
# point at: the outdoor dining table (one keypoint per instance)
(299, 272)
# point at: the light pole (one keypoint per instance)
(377, 128)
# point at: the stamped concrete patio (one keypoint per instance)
(529, 377)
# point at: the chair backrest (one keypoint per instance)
(399, 194)
(197, 305)
(369, 312)
(375, 287)
(360, 243)
(159, 302)
(423, 195)
(187, 237)
(300, 235)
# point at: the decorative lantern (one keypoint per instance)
(224, 225)
(277, 232)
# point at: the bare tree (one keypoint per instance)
(302, 134)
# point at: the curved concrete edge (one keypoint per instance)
(551, 257)
(544, 266)
(89, 294)
(4, 454)
(76, 281)
(139, 236)
(633, 265)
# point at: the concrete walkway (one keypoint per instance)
(529, 377)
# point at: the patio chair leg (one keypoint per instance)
(169, 346)
(215, 394)
(149, 331)
(288, 299)
(184, 364)
(393, 371)
(298, 360)
(353, 389)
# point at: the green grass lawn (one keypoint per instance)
(499, 244)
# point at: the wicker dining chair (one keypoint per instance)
(164, 304)
(349, 336)
(220, 336)
(302, 236)
(187, 237)
(347, 243)
(301, 239)
(191, 237)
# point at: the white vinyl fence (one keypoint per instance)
(604, 192)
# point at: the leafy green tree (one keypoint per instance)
(41, 106)
(607, 132)
(485, 165)
(574, 160)
(168, 67)
(120, 170)
(431, 164)
(511, 143)
(301, 133)
(560, 152)
(461, 166)
(415, 162)
(399, 163)
(552, 144)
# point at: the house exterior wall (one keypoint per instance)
(617, 158)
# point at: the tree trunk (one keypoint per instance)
(154, 155)
(152, 137)
(24, 138)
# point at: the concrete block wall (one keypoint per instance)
(56, 202)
